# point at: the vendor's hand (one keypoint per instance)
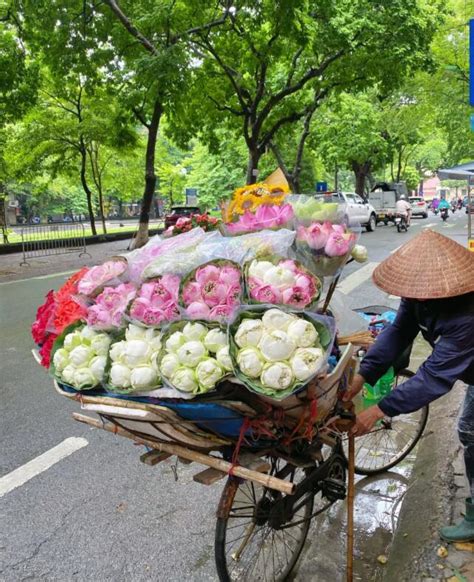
(366, 420)
(354, 388)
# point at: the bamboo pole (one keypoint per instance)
(350, 512)
(208, 460)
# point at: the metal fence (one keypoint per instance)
(58, 239)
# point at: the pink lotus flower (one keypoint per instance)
(233, 295)
(306, 282)
(337, 245)
(214, 293)
(99, 317)
(296, 297)
(254, 283)
(99, 275)
(198, 310)
(171, 283)
(192, 292)
(221, 312)
(267, 294)
(206, 274)
(316, 236)
(229, 275)
(289, 264)
(339, 228)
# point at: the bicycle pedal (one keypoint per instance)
(333, 489)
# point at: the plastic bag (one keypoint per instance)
(308, 209)
(157, 249)
(266, 216)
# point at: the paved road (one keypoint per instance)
(99, 515)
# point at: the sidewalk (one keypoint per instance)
(10, 269)
(435, 498)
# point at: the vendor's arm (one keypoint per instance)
(390, 344)
(451, 358)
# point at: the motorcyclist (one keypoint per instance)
(444, 205)
(403, 208)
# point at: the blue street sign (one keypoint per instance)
(321, 186)
(471, 62)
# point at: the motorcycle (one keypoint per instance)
(444, 213)
(401, 223)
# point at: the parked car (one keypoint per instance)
(470, 207)
(180, 212)
(356, 210)
(419, 207)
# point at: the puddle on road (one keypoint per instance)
(378, 501)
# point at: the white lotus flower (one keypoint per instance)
(208, 373)
(277, 319)
(97, 367)
(100, 344)
(276, 346)
(303, 333)
(72, 340)
(215, 339)
(175, 341)
(80, 356)
(136, 352)
(68, 374)
(134, 332)
(155, 342)
(250, 362)
(84, 378)
(143, 377)
(277, 375)
(169, 365)
(224, 359)
(279, 277)
(259, 268)
(119, 375)
(87, 333)
(150, 334)
(117, 351)
(249, 333)
(359, 253)
(194, 331)
(60, 359)
(191, 353)
(306, 362)
(184, 379)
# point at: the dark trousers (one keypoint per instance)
(466, 435)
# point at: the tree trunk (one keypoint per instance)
(86, 188)
(361, 171)
(150, 176)
(254, 158)
(101, 206)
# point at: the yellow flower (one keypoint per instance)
(254, 195)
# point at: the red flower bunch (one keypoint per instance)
(185, 224)
(57, 312)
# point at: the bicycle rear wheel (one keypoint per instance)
(391, 440)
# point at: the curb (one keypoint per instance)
(11, 248)
(431, 494)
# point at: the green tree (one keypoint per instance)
(272, 64)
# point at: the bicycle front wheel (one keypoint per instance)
(247, 548)
(391, 439)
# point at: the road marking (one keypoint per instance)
(429, 225)
(40, 464)
(356, 278)
(52, 276)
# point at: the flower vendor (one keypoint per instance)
(435, 278)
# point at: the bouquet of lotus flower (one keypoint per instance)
(194, 357)
(79, 357)
(132, 365)
(326, 246)
(276, 352)
(109, 274)
(212, 291)
(280, 281)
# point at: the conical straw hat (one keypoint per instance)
(429, 266)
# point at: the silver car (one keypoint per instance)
(419, 207)
(356, 210)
